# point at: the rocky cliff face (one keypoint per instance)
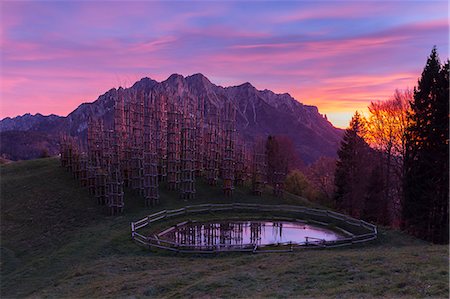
(259, 113)
(27, 122)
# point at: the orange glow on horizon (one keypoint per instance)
(338, 57)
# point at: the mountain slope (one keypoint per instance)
(259, 113)
(56, 242)
(27, 122)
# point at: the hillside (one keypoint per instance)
(18, 145)
(259, 113)
(57, 242)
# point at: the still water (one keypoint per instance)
(245, 233)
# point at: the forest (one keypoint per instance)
(392, 167)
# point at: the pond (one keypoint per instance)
(235, 234)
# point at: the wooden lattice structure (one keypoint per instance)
(159, 105)
(173, 147)
(151, 137)
(188, 158)
(229, 140)
(240, 167)
(212, 158)
(278, 183)
(68, 151)
(199, 150)
(150, 157)
(259, 167)
(83, 169)
(137, 152)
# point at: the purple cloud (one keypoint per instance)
(338, 56)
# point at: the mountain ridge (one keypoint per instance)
(259, 113)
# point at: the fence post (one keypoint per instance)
(260, 207)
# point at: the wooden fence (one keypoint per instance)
(358, 231)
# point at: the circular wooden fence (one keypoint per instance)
(357, 231)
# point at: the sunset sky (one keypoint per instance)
(337, 55)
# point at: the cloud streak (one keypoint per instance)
(336, 56)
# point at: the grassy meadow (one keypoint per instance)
(57, 242)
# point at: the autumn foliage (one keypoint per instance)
(393, 165)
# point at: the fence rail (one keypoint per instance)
(305, 215)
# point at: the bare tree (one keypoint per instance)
(321, 176)
(386, 127)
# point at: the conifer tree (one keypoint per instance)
(281, 157)
(375, 209)
(351, 169)
(426, 178)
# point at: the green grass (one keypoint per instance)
(57, 242)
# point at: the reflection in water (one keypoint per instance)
(245, 233)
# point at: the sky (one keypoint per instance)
(336, 55)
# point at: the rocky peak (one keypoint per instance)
(145, 83)
(247, 85)
(26, 121)
(175, 79)
(200, 83)
(199, 78)
(259, 113)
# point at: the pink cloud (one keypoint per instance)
(343, 11)
(52, 67)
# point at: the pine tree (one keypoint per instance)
(351, 169)
(375, 209)
(281, 157)
(426, 178)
